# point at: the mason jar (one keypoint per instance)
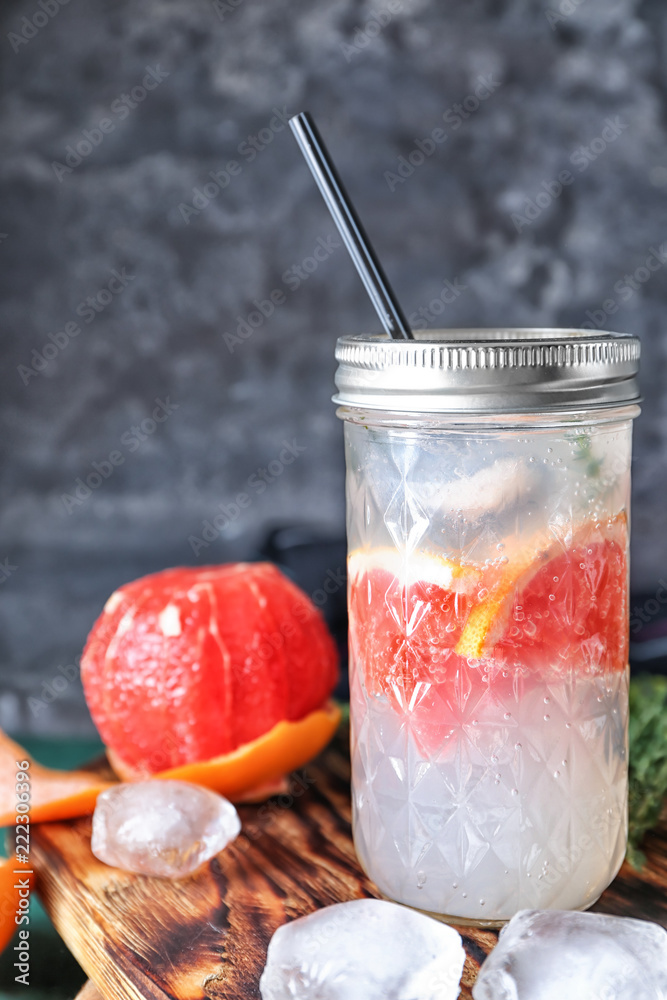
(488, 490)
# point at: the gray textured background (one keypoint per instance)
(557, 79)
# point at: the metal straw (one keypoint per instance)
(349, 226)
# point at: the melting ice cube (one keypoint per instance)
(565, 955)
(367, 949)
(165, 828)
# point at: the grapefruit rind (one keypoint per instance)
(242, 774)
(487, 619)
(10, 871)
(53, 794)
(286, 746)
(414, 567)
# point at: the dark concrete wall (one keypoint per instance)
(551, 83)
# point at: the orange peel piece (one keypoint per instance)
(53, 794)
(249, 773)
(265, 760)
(486, 619)
(10, 873)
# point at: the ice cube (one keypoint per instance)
(367, 949)
(565, 955)
(165, 828)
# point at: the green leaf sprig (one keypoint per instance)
(648, 760)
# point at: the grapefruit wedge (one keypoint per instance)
(559, 598)
(407, 613)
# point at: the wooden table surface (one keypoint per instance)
(206, 936)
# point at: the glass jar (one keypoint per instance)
(488, 488)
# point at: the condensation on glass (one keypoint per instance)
(488, 486)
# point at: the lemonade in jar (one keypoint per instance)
(488, 485)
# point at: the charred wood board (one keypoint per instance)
(206, 936)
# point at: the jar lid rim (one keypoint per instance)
(488, 369)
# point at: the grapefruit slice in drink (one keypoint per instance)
(561, 602)
(556, 602)
(407, 613)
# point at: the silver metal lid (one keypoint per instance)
(488, 371)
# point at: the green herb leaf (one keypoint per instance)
(648, 760)
(584, 453)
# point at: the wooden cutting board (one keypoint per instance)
(206, 936)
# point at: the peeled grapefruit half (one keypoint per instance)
(190, 664)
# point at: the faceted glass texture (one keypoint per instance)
(488, 594)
